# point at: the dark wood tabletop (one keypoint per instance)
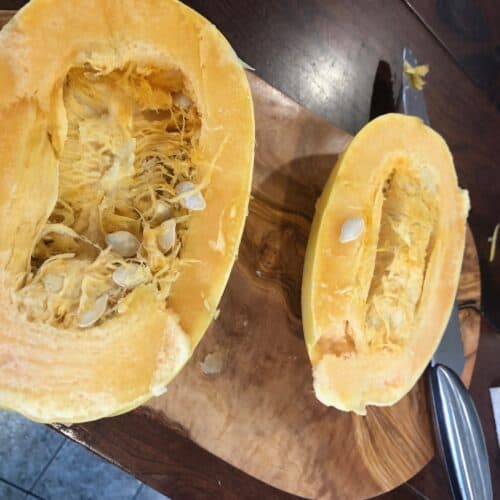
(324, 54)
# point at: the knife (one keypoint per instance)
(458, 430)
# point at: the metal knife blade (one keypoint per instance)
(412, 99)
(450, 351)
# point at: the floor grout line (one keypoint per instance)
(17, 487)
(33, 495)
(47, 465)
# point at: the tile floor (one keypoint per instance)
(38, 463)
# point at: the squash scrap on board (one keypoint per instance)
(126, 148)
(382, 263)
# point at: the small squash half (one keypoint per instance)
(126, 156)
(382, 263)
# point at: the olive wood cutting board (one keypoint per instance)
(258, 411)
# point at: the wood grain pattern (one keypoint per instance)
(142, 441)
(469, 294)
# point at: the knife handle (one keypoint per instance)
(459, 436)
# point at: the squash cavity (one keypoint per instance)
(407, 222)
(122, 208)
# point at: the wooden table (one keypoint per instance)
(324, 54)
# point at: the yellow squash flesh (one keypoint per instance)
(382, 263)
(126, 155)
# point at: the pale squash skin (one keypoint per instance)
(352, 371)
(70, 375)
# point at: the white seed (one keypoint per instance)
(162, 212)
(166, 235)
(351, 229)
(131, 275)
(194, 201)
(53, 283)
(181, 100)
(123, 243)
(213, 363)
(89, 317)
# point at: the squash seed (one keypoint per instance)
(89, 317)
(131, 275)
(162, 212)
(351, 229)
(123, 243)
(194, 201)
(166, 235)
(213, 363)
(181, 100)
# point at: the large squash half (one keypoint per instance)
(126, 154)
(382, 263)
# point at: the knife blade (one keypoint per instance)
(412, 99)
(450, 351)
(458, 430)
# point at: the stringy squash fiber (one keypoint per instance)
(382, 263)
(126, 154)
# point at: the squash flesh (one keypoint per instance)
(374, 308)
